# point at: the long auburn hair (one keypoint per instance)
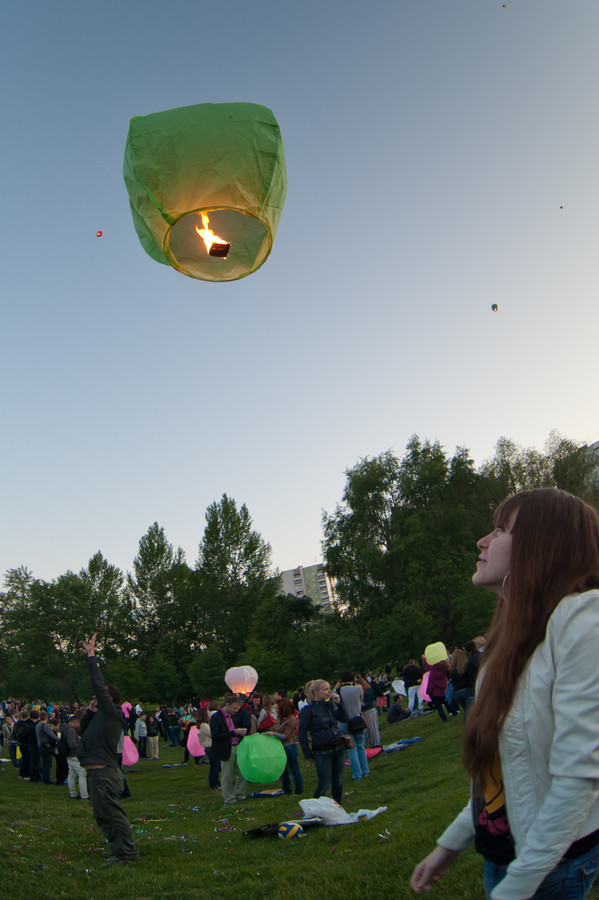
(459, 661)
(555, 552)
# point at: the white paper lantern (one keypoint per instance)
(241, 679)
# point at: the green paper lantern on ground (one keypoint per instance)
(261, 759)
(206, 185)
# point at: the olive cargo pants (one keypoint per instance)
(105, 787)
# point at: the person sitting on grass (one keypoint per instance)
(396, 713)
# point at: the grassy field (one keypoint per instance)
(193, 847)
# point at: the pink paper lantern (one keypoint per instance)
(424, 687)
(193, 742)
(130, 754)
(241, 679)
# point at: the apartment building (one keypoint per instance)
(310, 581)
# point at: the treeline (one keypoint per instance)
(401, 545)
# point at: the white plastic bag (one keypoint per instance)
(332, 813)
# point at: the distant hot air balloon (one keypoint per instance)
(494, 307)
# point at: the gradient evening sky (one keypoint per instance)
(430, 147)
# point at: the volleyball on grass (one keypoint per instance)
(289, 830)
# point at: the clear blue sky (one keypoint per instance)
(432, 143)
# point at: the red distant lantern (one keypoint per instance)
(99, 233)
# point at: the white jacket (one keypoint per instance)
(549, 750)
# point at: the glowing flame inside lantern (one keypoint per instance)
(215, 246)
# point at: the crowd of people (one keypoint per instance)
(43, 738)
(38, 734)
(531, 735)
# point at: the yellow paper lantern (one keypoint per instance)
(435, 653)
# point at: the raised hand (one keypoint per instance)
(90, 645)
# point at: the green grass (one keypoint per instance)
(192, 847)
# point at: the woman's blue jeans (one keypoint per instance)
(357, 757)
(329, 769)
(292, 770)
(571, 880)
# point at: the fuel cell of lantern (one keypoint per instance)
(221, 250)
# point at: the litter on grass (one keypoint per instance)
(332, 813)
(401, 745)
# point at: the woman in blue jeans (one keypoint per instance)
(531, 742)
(352, 696)
(326, 747)
(286, 730)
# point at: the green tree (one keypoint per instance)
(109, 605)
(47, 621)
(159, 586)
(276, 640)
(404, 539)
(561, 463)
(234, 572)
(206, 672)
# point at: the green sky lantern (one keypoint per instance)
(261, 759)
(206, 185)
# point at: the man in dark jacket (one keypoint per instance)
(47, 739)
(30, 762)
(225, 740)
(101, 729)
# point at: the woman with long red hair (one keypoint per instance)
(531, 742)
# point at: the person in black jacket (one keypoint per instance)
(226, 736)
(24, 733)
(101, 729)
(326, 748)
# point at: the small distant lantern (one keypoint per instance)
(494, 307)
(99, 233)
(241, 679)
(206, 185)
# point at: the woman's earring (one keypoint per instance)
(504, 585)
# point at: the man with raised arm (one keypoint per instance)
(101, 729)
